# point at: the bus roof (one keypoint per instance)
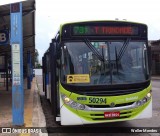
(122, 21)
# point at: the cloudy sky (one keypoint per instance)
(51, 13)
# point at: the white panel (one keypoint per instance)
(146, 113)
(69, 118)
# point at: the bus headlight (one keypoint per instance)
(81, 107)
(149, 95)
(144, 100)
(139, 103)
(66, 100)
(72, 103)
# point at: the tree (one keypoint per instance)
(37, 64)
(36, 54)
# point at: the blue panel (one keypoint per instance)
(17, 88)
(47, 79)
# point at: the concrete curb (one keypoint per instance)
(38, 119)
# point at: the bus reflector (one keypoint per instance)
(111, 114)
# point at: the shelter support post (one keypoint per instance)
(16, 42)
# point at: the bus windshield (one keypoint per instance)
(106, 62)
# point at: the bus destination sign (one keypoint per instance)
(104, 30)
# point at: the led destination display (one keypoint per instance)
(104, 30)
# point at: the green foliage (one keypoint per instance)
(38, 65)
(36, 54)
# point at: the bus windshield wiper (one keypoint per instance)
(116, 59)
(122, 50)
(94, 50)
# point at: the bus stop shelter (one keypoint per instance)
(17, 47)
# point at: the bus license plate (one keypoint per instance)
(111, 114)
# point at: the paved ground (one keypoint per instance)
(6, 104)
(33, 114)
(153, 122)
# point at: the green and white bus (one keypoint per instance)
(98, 72)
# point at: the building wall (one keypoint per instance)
(155, 46)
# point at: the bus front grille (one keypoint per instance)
(108, 106)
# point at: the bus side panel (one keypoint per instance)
(49, 86)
